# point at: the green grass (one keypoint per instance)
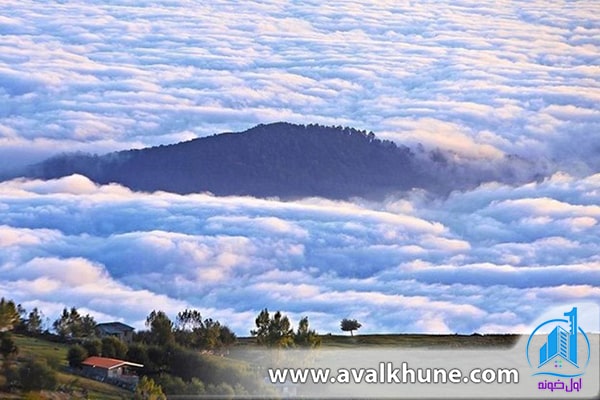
(419, 340)
(96, 390)
(406, 340)
(30, 347)
(56, 355)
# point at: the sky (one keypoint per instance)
(484, 81)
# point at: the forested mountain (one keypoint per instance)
(279, 159)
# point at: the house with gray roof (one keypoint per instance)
(119, 330)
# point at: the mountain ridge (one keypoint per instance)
(271, 160)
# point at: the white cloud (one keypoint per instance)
(434, 133)
(10, 236)
(482, 81)
(462, 264)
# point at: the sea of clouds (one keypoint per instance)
(488, 260)
(481, 80)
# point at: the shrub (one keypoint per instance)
(147, 389)
(114, 348)
(36, 375)
(76, 355)
(93, 347)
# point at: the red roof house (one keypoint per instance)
(111, 370)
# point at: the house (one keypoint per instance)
(111, 370)
(117, 329)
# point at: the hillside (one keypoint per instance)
(70, 386)
(281, 159)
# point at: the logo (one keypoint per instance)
(564, 352)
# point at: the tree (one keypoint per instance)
(209, 334)
(112, 347)
(188, 320)
(61, 325)
(280, 331)
(34, 321)
(138, 353)
(226, 336)
(93, 347)
(350, 325)
(37, 375)
(306, 337)
(192, 331)
(9, 315)
(161, 327)
(21, 323)
(262, 325)
(76, 355)
(147, 389)
(273, 331)
(158, 359)
(68, 324)
(74, 323)
(88, 326)
(188, 328)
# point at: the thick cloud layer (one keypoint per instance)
(489, 260)
(482, 80)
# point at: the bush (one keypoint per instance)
(188, 364)
(93, 347)
(222, 390)
(147, 389)
(174, 385)
(158, 360)
(195, 387)
(138, 353)
(36, 375)
(171, 385)
(7, 345)
(76, 355)
(112, 347)
(11, 376)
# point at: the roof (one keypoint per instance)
(108, 363)
(114, 327)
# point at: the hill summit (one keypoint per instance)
(285, 160)
(279, 159)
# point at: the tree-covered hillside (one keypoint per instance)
(288, 161)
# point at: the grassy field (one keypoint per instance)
(73, 385)
(408, 340)
(54, 353)
(414, 340)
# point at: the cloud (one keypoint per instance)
(484, 260)
(511, 91)
(434, 133)
(11, 237)
(479, 81)
(54, 283)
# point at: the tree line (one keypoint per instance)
(189, 329)
(177, 355)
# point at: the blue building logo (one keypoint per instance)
(560, 354)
